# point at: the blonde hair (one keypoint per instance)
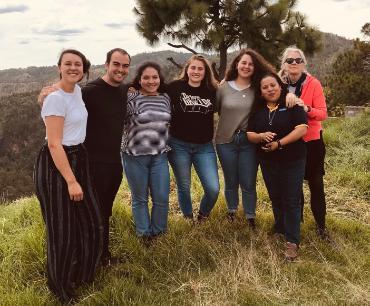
(284, 55)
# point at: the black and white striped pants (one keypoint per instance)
(74, 229)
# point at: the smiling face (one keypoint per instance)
(71, 68)
(196, 72)
(245, 67)
(117, 69)
(293, 68)
(270, 89)
(150, 81)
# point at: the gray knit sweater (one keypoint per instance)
(234, 108)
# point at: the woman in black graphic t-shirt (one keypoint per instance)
(193, 98)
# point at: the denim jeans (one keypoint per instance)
(148, 173)
(182, 156)
(284, 184)
(239, 164)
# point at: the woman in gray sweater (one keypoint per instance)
(236, 154)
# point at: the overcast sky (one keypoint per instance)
(33, 32)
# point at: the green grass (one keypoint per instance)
(217, 262)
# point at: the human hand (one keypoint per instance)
(267, 136)
(291, 100)
(270, 147)
(75, 191)
(45, 91)
(131, 89)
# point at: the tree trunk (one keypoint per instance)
(223, 60)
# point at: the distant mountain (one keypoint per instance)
(33, 78)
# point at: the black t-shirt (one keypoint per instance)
(106, 106)
(192, 112)
(283, 121)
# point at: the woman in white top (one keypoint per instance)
(63, 185)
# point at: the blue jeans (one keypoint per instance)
(182, 156)
(239, 163)
(284, 184)
(148, 173)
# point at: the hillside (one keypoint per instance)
(217, 262)
(33, 78)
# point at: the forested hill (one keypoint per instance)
(21, 128)
(33, 78)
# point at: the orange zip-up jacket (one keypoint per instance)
(313, 96)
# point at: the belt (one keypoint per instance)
(239, 131)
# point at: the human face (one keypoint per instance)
(117, 68)
(71, 68)
(245, 67)
(196, 72)
(295, 70)
(270, 89)
(149, 81)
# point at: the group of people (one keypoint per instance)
(94, 133)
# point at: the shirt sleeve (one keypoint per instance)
(54, 105)
(299, 116)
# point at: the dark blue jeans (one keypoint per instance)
(182, 156)
(148, 173)
(239, 164)
(284, 184)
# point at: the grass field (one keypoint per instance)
(217, 262)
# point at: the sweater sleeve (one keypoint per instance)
(318, 107)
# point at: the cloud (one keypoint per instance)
(24, 42)
(60, 32)
(13, 9)
(119, 25)
(61, 39)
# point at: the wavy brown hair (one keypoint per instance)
(136, 82)
(261, 67)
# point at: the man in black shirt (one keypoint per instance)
(106, 101)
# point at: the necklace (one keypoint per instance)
(272, 116)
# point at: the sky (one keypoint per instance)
(34, 32)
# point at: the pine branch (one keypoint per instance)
(182, 46)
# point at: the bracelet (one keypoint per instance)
(280, 146)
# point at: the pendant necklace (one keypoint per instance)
(272, 116)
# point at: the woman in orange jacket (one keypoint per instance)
(311, 97)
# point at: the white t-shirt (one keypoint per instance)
(72, 108)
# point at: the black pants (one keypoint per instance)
(314, 175)
(74, 229)
(106, 178)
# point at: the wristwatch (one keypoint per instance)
(280, 146)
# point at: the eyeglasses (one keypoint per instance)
(291, 60)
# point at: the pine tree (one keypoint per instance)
(218, 25)
(349, 81)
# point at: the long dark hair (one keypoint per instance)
(85, 62)
(136, 82)
(260, 102)
(209, 80)
(261, 67)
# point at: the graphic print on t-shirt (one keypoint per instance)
(195, 104)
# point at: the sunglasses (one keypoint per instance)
(291, 60)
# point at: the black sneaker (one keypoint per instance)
(231, 216)
(202, 217)
(323, 234)
(252, 223)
